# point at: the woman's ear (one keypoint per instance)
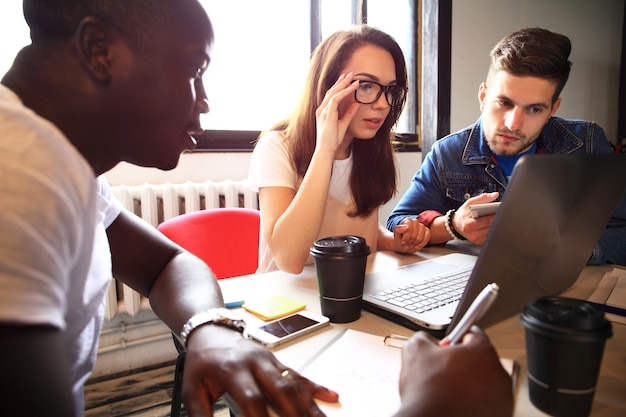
(92, 45)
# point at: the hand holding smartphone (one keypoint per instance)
(484, 209)
(287, 328)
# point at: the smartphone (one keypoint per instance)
(485, 209)
(287, 328)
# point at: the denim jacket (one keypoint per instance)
(461, 166)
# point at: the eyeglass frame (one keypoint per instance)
(383, 89)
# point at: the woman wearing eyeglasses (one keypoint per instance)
(326, 169)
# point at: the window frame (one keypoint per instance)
(221, 141)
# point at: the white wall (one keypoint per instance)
(194, 166)
(594, 27)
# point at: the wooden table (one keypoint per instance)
(507, 336)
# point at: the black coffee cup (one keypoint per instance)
(340, 263)
(564, 346)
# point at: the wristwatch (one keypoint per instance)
(220, 316)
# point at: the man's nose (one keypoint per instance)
(514, 118)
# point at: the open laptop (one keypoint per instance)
(552, 215)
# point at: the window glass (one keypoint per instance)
(257, 73)
(261, 54)
(335, 15)
(399, 22)
(259, 62)
(14, 33)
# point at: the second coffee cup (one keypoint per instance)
(564, 344)
(340, 263)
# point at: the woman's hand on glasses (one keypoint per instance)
(332, 117)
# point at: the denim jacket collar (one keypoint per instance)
(562, 140)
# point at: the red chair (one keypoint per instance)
(227, 239)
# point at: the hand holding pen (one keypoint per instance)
(477, 309)
(473, 372)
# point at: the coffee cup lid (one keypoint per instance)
(346, 244)
(570, 313)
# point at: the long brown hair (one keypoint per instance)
(373, 177)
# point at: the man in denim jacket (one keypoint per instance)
(528, 71)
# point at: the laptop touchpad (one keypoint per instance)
(429, 268)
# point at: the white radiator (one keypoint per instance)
(158, 202)
(132, 336)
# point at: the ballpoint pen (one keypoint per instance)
(476, 310)
(609, 308)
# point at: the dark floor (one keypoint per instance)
(145, 392)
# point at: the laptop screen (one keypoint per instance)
(552, 215)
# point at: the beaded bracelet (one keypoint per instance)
(446, 222)
(450, 228)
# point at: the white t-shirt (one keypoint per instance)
(51, 218)
(271, 166)
(83, 331)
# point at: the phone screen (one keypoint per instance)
(288, 325)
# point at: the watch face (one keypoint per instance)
(229, 318)
(224, 312)
(229, 314)
(219, 316)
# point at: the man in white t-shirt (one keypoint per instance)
(103, 82)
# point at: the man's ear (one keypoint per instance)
(92, 44)
(482, 92)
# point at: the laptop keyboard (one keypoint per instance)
(427, 295)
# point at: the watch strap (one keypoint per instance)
(219, 316)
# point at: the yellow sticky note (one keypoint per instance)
(273, 307)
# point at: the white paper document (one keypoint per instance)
(363, 371)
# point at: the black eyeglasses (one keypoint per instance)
(370, 91)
